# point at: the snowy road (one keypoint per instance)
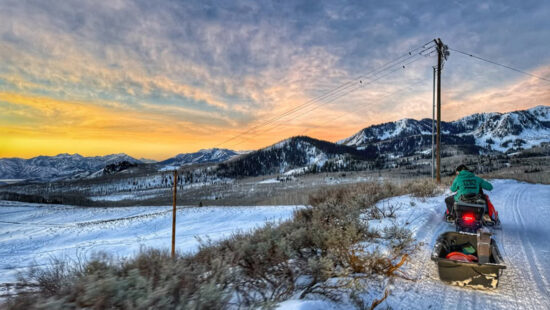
(524, 240)
(31, 234)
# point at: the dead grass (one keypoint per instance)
(521, 174)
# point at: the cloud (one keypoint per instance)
(224, 67)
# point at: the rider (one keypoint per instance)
(466, 182)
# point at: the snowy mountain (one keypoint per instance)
(295, 155)
(503, 132)
(58, 167)
(214, 155)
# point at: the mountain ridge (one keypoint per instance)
(473, 134)
(61, 166)
(211, 155)
(495, 131)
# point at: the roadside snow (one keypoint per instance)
(269, 181)
(31, 234)
(120, 197)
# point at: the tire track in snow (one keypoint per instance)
(523, 278)
(534, 258)
(523, 284)
(518, 281)
(529, 254)
(511, 276)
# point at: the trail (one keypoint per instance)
(524, 241)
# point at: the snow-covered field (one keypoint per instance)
(524, 241)
(32, 234)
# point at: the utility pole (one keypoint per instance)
(433, 125)
(174, 215)
(442, 54)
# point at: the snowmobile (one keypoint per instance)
(469, 213)
(469, 256)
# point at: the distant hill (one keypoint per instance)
(502, 132)
(213, 155)
(295, 155)
(513, 132)
(58, 167)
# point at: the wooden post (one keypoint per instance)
(174, 215)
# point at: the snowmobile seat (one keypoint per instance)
(475, 199)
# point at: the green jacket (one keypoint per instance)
(468, 183)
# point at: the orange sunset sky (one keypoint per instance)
(154, 80)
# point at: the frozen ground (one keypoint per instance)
(31, 234)
(524, 241)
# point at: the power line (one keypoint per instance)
(330, 97)
(366, 106)
(357, 86)
(334, 90)
(328, 94)
(499, 64)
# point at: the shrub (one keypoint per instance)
(257, 269)
(423, 188)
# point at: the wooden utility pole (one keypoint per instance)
(174, 215)
(442, 54)
(433, 126)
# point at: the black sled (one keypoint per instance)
(483, 273)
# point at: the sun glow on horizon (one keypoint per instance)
(95, 78)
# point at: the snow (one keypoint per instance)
(307, 305)
(120, 197)
(169, 168)
(57, 167)
(524, 210)
(269, 181)
(542, 112)
(213, 155)
(297, 171)
(31, 234)
(11, 181)
(528, 125)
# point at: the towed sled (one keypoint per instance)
(469, 256)
(481, 269)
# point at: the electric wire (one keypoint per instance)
(425, 47)
(357, 87)
(328, 94)
(342, 94)
(387, 95)
(499, 64)
(342, 91)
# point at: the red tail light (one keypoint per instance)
(468, 217)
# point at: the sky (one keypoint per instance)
(156, 78)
